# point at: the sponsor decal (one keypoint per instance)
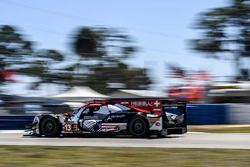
(110, 128)
(70, 127)
(158, 123)
(141, 103)
(92, 125)
(157, 104)
(117, 116)
(67, 128)
(125, 102)
(154, 119)
(75, 127)
(147, 103)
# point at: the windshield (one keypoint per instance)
(122, 107)
(76, 111)
(105, 109)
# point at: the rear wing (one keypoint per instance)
(180, 104)
(178, 108)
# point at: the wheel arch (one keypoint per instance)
(49, 116)
(139, 115)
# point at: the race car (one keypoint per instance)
(136, 117)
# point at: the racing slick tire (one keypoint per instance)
(138, 126)
(50, 127)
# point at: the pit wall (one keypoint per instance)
(211, 114)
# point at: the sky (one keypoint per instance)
(161, 29)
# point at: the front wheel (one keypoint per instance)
(138, 126)
(50, 127)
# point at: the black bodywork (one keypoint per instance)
(139, 121)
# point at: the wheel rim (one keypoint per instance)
(49, 127)
(139, 127)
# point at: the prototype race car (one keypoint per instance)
(137, 117)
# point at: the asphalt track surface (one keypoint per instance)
(189, 140)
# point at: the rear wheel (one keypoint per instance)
(50, 126)
(138, 126)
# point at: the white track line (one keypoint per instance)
(11, 131)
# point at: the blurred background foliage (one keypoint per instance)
(225, 33)
(101, 60)
(101, 53)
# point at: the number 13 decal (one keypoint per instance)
(67, 127)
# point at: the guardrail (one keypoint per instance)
(15, 122)
(213, 114)
(207, 114)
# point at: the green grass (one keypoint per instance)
(220, 128)
(12, 156)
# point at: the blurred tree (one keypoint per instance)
(14, 48)
(103, 44)
(226, 31)
(103, 52)
(46, 66)
(107, 79)
(101, 55)
(87, 43)
(17, 54)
